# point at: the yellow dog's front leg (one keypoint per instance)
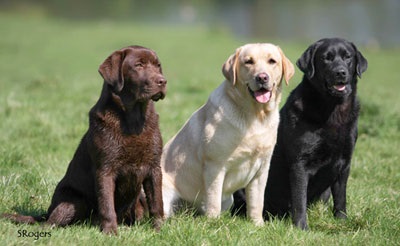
(214, 177)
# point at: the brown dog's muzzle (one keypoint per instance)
(161, 86)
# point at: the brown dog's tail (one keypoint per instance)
(25, 219)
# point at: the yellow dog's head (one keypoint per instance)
(259, 69)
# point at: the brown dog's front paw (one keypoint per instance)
(157, 223)
(109, 228)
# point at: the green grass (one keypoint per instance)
(49, 81)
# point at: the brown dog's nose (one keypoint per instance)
(162, 82)
(262, 78)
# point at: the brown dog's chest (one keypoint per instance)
(125, 149)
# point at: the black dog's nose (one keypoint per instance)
(262, 78)
(341, 73)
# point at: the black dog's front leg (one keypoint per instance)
(339, 194)
(298, 189)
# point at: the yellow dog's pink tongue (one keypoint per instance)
(262, 96)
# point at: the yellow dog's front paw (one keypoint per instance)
(258, 221)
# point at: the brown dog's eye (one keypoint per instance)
(249, 61)
(271, 61)
(138, 64)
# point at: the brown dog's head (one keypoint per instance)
(134, 72)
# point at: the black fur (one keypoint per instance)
(317, 134)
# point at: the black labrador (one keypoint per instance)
(317, 134)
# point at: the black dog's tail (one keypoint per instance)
(25, 219)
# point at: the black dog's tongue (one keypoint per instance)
(339, 87)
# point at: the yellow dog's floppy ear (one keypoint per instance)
(229, 69)
(287, 67)
(111, 70)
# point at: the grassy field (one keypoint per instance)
(49, 81)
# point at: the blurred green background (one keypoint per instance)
(367, 22)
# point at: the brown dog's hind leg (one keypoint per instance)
(66, 213)
(140, 207)
(137, 211)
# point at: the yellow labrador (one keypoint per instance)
(227, 144)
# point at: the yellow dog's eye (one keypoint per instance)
(271, 61)
(249, 61)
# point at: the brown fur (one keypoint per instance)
(120, 153)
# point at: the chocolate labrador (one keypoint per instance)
(317, 133)
(120, 153)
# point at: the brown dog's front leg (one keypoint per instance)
(108, 216)
(152, 187)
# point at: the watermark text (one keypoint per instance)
(33, 234)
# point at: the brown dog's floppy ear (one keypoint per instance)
(306, 61)
(229, 69)
(111, 70)
(361, 62)
(287, 67)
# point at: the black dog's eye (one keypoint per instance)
(271, 61)
(347, 56)
(249, 61)
(329, 57)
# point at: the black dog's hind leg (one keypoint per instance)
(325, 195)
(239, 203)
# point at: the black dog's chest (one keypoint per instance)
(326, 145)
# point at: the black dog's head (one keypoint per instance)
(134, 73)
(332, 66)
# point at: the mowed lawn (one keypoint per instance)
(49, 81)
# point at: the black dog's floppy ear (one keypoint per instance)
(361, 62)
(111, 70)
(306, 61)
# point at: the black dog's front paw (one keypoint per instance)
(340, 215)
(301, 223)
